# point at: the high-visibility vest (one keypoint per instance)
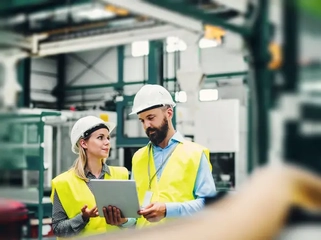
(176, 183)
(74, 193)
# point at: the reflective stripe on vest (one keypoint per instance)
(74, 193)
(176, 183)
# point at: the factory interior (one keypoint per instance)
(245, 75)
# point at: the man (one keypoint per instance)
(173, 175)
(173, 172)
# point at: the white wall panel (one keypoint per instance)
(43, 97)
(43, 79)
(107, 65)
(134, 69)
(44, 65)
(220, 129)
(235, 91)
(90, 95)
(42, 82)
(132, 89)
(238, 91)
(219, 60)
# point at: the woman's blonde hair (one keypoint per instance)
(80, 163)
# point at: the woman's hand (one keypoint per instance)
(89, 213)
(113, 216)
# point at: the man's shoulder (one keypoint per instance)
(193, 145)
(196, 148)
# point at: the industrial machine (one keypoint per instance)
(224, 132)
(24, 149)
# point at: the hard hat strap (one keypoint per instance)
(91, 130)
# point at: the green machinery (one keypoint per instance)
(22, 138)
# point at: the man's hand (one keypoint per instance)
(154, 212)
(113, 216)
(89, 213)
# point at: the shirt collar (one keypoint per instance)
(178, 137)
(105, 169)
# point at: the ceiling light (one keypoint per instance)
(174, 44)
(95, 13)
(181, 97)
(140, 48)
(207, 43)
(206, 95)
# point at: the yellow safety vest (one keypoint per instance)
(74, 193)
(176, 183)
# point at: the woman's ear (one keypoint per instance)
(83, 143)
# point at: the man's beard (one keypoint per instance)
(157, 135)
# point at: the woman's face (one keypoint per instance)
(98, 144)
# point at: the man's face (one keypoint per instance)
(155, 123)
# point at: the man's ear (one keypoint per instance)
(170, 113)
(83, 143)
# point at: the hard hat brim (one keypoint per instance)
(110, 125)
(138, 111)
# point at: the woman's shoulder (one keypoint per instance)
(65, 176)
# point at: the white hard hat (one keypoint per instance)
(151, 95)
(84, 124)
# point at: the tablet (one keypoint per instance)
(119, 193)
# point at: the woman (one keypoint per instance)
(74, 211)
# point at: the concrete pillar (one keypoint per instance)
(10, 86)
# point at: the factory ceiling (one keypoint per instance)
(78, 16)
(60, 20)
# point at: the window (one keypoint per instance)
(207, 43)
(175, 44)
(140, 48)
(206, 95)
(181, 97)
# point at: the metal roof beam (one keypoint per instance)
(191, 11)
(15, 40)
(147, 9)
(106, 40)
(9, 8)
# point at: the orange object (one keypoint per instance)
(276, 56)
(213, 32)
(117, 10)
